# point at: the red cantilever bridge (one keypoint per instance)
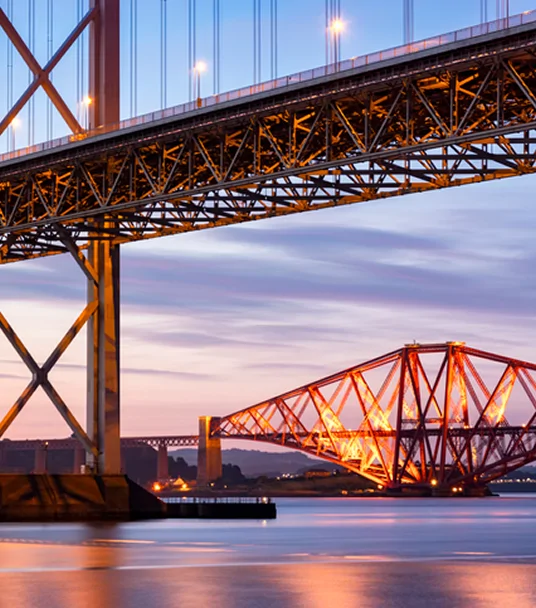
(434, 415)
(425, 415)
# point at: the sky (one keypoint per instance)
(218, 320)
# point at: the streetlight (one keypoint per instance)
(198, 69)
(84, 104)
(335, 30)
(15, 124)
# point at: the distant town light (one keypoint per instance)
(156, 487)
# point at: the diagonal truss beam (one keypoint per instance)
(40, 377)
(101, 316)
(42, 74)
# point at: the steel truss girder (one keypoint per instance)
(422, 415)
(447, 125)
(126, 442)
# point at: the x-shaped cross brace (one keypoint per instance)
(42, 75)
(40, 376)
(40, 373)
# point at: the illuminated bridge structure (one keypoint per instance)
(454, 110)
(435, 416)
(427, 417)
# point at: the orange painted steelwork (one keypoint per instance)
(424, 415)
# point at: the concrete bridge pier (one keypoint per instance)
(162, 471)
(40, 459)
(79, 459)
(209, 465)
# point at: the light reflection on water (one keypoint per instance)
(318, 553)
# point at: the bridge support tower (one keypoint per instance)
(103, 402)
(162, 471)
(209, 464)
(79, 459)
(40, 459)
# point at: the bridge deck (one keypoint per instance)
(373, 63)
(459, 112)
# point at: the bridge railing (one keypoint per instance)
(286, 81)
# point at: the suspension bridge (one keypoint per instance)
(455, 109)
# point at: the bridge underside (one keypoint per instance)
(426, 416)
(459, 114)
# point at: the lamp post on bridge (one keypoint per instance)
(15, 124)
(83, 111)
(199, 68)
(335, 29)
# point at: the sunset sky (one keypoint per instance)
(218, 320)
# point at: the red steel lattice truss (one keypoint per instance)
(425, 415)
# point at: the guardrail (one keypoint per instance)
(286, 81)
(217, 499)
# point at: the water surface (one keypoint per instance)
(348, 552)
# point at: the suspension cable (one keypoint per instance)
(483, 11)
(216, 45)
(50, 50)
(84, 83)
(409, 22)
(78, 60)
(192, 46)
(133, 58)
(163, 54)
(333, 39)
(9, 74)
(31, 46)
(273, 39)
(257, 41)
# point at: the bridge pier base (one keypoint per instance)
(40, 460)
(209, 464)
(79, 459)
(162, 471)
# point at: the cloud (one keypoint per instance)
(140, 371)
(291, 367)
(298, 264)
(4, 376)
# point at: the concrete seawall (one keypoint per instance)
(43, 498)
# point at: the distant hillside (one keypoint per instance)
(254, 463)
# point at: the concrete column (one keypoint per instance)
(79, 459)
(40, 462)
(208, 454)
(103, 328)
(162, 471)
(103, 407)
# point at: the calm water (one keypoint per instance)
(319, 553)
